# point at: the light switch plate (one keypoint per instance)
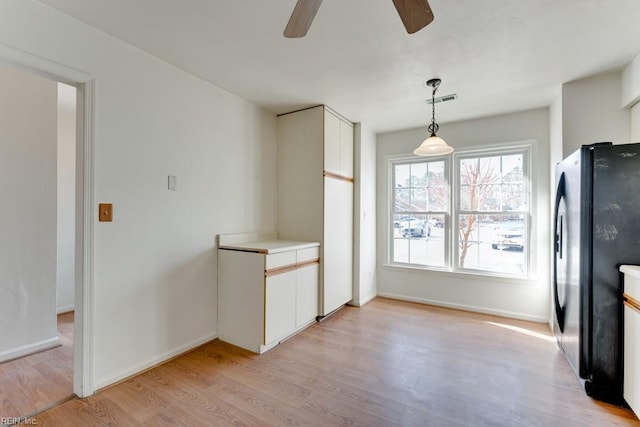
(105, 212)
(172, 182)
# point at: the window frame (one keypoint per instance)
(446, 213)
(451, 217)
(457, 212)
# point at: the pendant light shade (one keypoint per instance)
(433, 145)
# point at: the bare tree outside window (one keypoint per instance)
(492, 213)
(477, 180)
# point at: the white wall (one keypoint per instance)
(364, 288)
(630, 84)
(155, 264)
(635, 123)
(631, 95)
(527, 299)
(592, 112)
(66, 198)
(28, 213)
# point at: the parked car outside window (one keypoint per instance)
(509, 235)
(415, 228)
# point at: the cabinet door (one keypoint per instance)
(338, 145)
(346, 149)
(306, 294)
(280, 306)
(337, 269)
(332, 149)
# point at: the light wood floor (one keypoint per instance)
(386, 364)
(34, 382)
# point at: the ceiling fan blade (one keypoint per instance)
(415, 14)
(301, 18)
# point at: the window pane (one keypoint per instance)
(512, 168)
(436, 241)
(489, 197)
(435, 176)
(418, 174)
(436, 199)
(420, 239)
(468, 227)
(400, 250)
(508, 246)
(489, 172)
(414, 226)
(468, 171)
(402, 200)
(486, 226)
(402, 176)
(513, 197)
(468, 197)
(418, 199)
(467, 240)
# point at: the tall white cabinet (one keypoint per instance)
(315, 199)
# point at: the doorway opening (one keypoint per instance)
(45, 257)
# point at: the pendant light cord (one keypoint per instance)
(433, 127)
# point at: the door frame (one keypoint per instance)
(83, 360)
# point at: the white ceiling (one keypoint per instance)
(496, 55)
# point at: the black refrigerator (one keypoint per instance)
(597, 228)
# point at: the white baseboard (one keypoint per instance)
(101, 384)
(65, 309)
(362, 301)
(28, 349)
(464, 307)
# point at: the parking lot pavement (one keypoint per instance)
(430, 251)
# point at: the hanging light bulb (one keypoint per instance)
(433, 145)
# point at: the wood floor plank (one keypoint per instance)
(36, 381)
(390, 363)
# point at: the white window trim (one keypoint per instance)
(451, 246)
(447, 214)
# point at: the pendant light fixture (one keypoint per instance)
(433, 145)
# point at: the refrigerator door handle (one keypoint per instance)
(559, 250)
(560, 310)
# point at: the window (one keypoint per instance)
(420, 208)
(484, 228)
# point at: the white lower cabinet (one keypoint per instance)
(306, 294)
(265, 297)
(279, 306)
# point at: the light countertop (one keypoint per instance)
(631, 270)
(269, 246)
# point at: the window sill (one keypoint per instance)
(463, 274)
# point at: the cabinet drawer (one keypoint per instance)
(308, 254)
(279, 260)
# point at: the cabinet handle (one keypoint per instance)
(280, 270)
(307, 263)
(337, 176)
(290, 267)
